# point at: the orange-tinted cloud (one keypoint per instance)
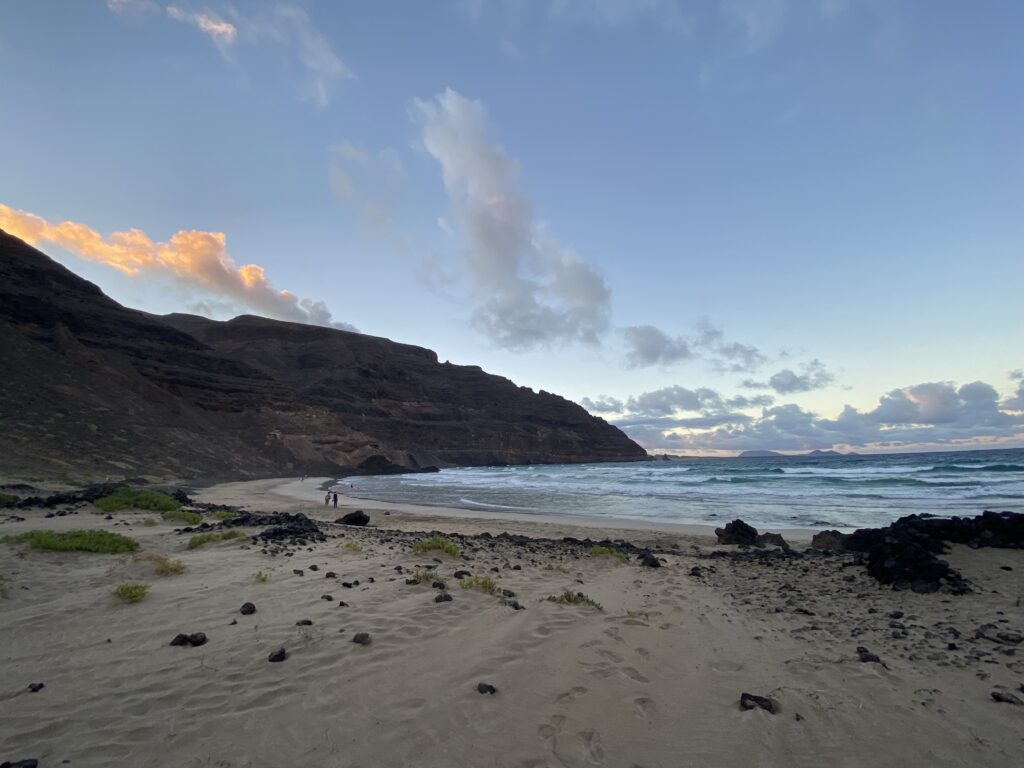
(196, 259)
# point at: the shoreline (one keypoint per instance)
(309, 493)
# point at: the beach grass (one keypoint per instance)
(224, 515)
(102, 542)
(131, 593)
(137, 498)
(421, 576)
(436, 544)
(574, 598)
(206, 538)
(261, 577)
(352, 546)
(486, 583)
(597, 551)
(6, 500)
(149, 522)
(162, 564)
(182, 516)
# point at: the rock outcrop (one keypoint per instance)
(91, 388)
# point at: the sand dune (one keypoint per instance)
(653, 679)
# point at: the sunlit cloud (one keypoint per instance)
(221, 32)
(196, 260)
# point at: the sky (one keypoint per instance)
(721, 225)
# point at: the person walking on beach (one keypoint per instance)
(327, 499)
(335, 500)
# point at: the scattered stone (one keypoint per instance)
(438, 585)
(350, 584)
(304, 623)
(507, 593)
(443, 597)
(298, 571)
(648, 560)
(279, 655)
(342, 604)
(330, 575)
(28, 762)
(1007, 698)
(514, 604)
(233, 622)
(462, 574)
(896, 615)
(248, 609)
(36, 687)
(354, 518)
(361, 638)
(180, 639)
(830, 541)
(486, 688)
(752, 701)
(285, 527)
(866, 656)
(314, 567)
(197, 639)
(740, 533)
(697, 572)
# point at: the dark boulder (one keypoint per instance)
(247, 609)
(361, 638)
(486, 688)
(648, 560)
(279, 655)
(354, 518)
(830, 541)
(737, 532)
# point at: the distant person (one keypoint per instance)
(327, 499)
(335, 500)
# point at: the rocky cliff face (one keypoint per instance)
(92, 388)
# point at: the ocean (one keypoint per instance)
(778, 492)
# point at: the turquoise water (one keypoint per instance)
(807, 492)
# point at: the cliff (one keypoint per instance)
(93, 388)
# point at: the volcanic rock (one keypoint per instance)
(354, 518)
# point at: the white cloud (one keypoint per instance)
(222, 33)
(290, 26)
(787, 381)
(527, 289)
(647, 345)
(602, 404)
(132, 6)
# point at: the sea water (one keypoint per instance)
(844, 492)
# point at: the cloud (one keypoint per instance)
(602, 404)
(670, 400)
(647, 345)
(757, 401)
(221, 32)
(932, 414)
(527, 289)
(787, 381)
(132, 6)
(371, 180)
(1017, 374)
(197, 260)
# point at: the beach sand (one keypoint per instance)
(653, 679)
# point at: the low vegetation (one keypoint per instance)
(559, 568)
(183, 516)
(436, 544)
(639, 615)
(3, 587)
(137, 498)
(223, 515)
(574, 598)
(421, 577)
(6, 500)
(261, 576)
(131, 593)
(149, 522)
(353, 546)
(206, 538)
(486, 583)
(102, 542)
(162, 564)
(597, 551)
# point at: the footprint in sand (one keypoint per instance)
(634, 675)
(551, 727)
(571, 695)
(610, 655)
(593, 753)
(591, 643)
(643, 653)
(613, 633)
(644, 707)
(666, 625)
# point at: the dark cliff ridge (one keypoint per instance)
(92, 388)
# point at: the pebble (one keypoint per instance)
(180, 639)
(36, 687)
(648, 560)
(327, 597)
(314, 567)
(462, 575)
(248, 609)
(438, 585)
(29, 762)
(361, 638)
(297, 571)
(486, 688)
(330, 575)
(444, 597)
(279, 655)
(197, 638)
(304, 623)
(752, 701)
(1006, 698)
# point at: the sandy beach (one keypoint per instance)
(653, 677)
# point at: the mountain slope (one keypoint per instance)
(91, 387)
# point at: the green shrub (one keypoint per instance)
(131, 593)
(149, 522)
(205, 538)
(596, 551)
(559, 568)
(183, 516)
(421, 576)
(574, 598)
(224, 515)
(7, 500)
(261, 576)
(162, 564)
(436, 544)
(75, 541)
(486, 583)
(137, 498)
(353, 546)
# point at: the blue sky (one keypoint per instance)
(724, 225)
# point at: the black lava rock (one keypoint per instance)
(197, 639)
(1007, 698)
(36, 687)
(866, 656)
(248, 609)
(329, 598)
(737, 532)
(354, 518)
(279, 655)
(648, 560)
(330, 575)
(28, 762)
(444, 597)
(462, 574)
(284, 527)
(751, 701)
(304, 623)
(180, 639)
(438, 585)
(361, 638)
(314, 567)
(486, 688)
